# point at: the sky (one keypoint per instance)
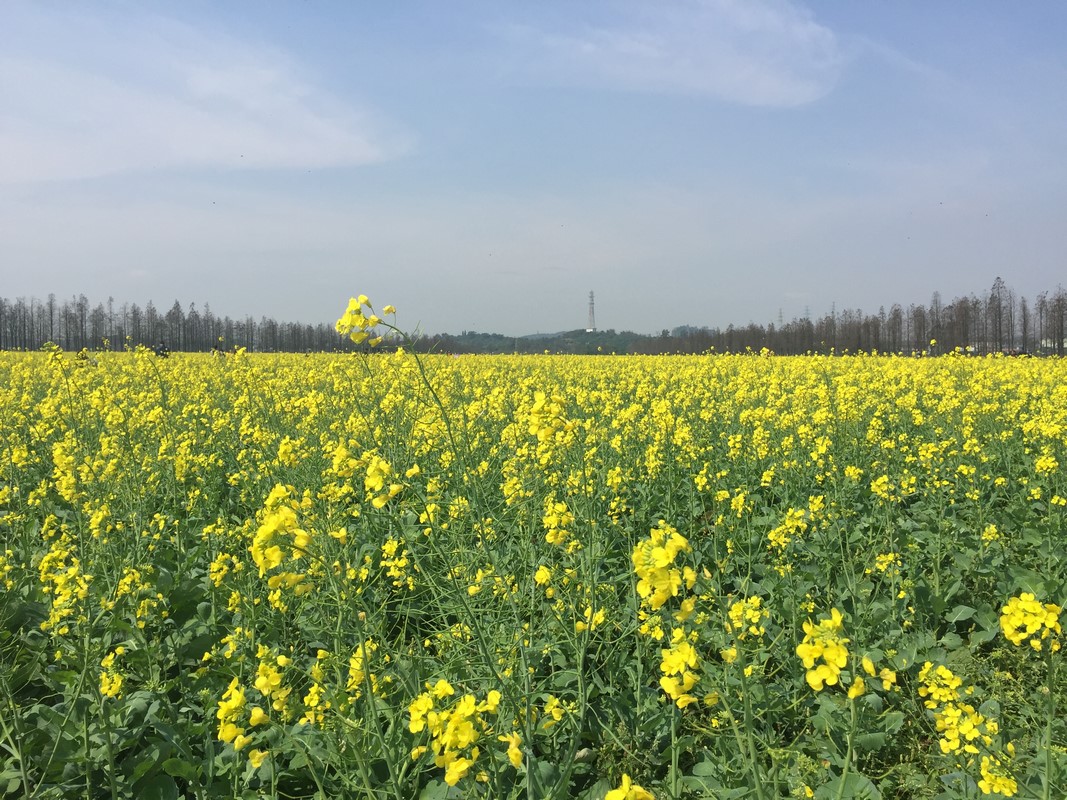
(485, 165)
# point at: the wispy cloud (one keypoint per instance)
(84, 97)
(751, 52)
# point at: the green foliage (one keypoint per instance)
(350, 576)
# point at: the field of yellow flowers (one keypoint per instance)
(388, 576)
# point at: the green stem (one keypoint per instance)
(12, 745)
(750, 742)
(849, 753)
(88, 764)
(1049, 716)
(743, 746)
(674, 755)
(105, 712)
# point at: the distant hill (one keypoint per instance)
(578, 342)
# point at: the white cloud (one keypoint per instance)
(91, 99)
(751, 52)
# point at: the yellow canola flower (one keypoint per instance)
(653, 561)
(554, 710)
(746, 618)
(442, 689)
(1025, 617)
(938, 685)
(628, 790)
(456, 767)
(514, 742)
(454, 729)
(257, 757)
(888, 678)
(678, 665)
(110, 679)
(996, 774)
(230, 706)
(357, 325)
(591, 620)
(110, 684)
(419, 709)
(823, 642)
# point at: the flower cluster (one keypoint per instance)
(653, 559)
(454, 729)
(546, 416)
(887, 564)
(746, 618)
(1025, 617)
(794, 524)
(591, 619)
(1045, 464)
(358, 326)
(110, 678)
(678, 664)
(557, 520)
(996, 776)
(278, 539)
(628, 790)
(378, 472)
(229, 712)
(660, 579)
(824, 642)
(62, 577)
(938, 685)
(961, 726)
(269, 681)
(554, 710)
(887, 676)
(316, 703)
(5, 569)
(396, 561)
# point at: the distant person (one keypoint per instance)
(162, 350)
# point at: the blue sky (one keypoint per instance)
(484, 165)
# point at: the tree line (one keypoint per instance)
(74, 325)
(999, 321)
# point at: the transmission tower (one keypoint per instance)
(592, 319)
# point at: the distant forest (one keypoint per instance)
(1000, 321)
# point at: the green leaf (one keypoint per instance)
(854, 786)
(180, 769)
(952, 641)
(158, 787)
(1027, 580)
(870, 741)
(978, 638)
(438, 790)
(705, 768)
(893, 721)
(547, 773)
(597, 790)
(960, 613)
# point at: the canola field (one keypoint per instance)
(389, 576)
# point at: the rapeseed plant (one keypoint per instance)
(1024, 618)
(335, 530)
(824, 642)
